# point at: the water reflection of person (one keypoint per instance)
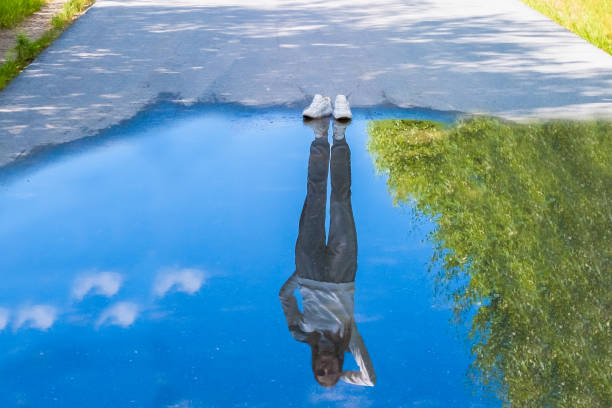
(325, 274)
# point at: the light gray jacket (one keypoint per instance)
(327, 306)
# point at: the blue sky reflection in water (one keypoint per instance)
(143, 269)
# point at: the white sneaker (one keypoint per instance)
(319, 108)
(342, 109)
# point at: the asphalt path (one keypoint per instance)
(486, 56)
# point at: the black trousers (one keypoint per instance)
(335, 261)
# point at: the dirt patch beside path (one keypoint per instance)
(33, 26)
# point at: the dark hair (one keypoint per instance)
(340, 343)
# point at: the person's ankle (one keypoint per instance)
(320, 126)
(340, 128)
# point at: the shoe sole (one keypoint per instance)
(315, 117)
(343, 117)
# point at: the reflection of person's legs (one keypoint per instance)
(342, 243)
(310, 246)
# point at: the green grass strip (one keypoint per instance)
(27, 50)
(590, 19)
(12, 12)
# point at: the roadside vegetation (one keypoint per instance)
(27, 50)
(522, 246)
(590, 19)
(12, 12)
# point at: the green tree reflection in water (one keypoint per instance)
(524, 214)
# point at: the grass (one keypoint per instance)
(27, 50)
(12, 12)
(522, 246)
(64, 17)
(590, 19)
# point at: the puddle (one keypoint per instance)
(143, 269)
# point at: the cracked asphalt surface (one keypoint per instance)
(497, 57)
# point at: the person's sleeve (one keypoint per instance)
(293, 316)
(366, 375)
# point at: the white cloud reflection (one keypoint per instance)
(120, 314)
(179, 280)
(39, 317)
(361, 318)
(182, 404)
(104, 283)
(4, 318)
(342, 397)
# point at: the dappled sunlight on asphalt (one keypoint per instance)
(498, 57)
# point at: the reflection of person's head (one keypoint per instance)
(326, 367)
(328, 358)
